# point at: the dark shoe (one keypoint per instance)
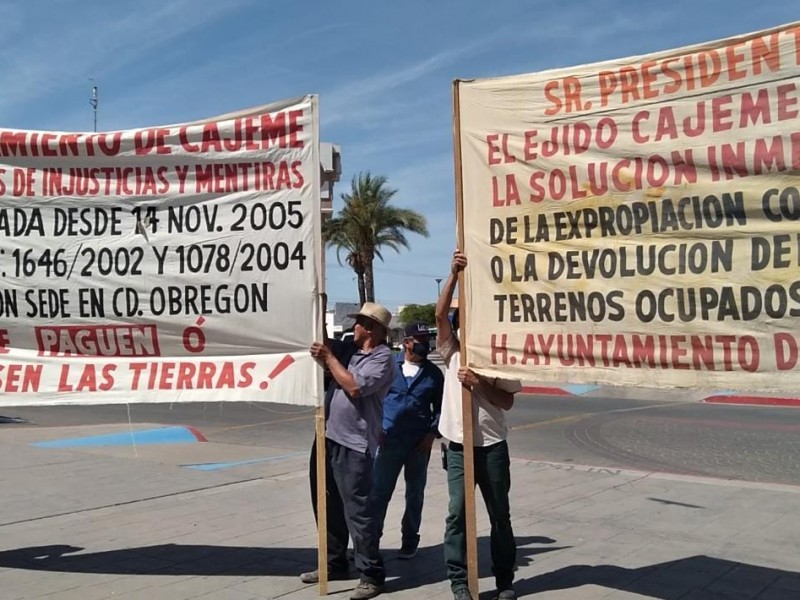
(365, 591)
(506, 595)
(462, 594)
(313, 576)
(407, 551)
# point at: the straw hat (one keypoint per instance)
(376, 312)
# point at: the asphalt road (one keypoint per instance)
(731, 442)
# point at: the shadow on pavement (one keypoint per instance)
(691, 578)
(163, 559)
(428, 566)
(11, 420)
(201, 560)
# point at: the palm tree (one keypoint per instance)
(367, 223)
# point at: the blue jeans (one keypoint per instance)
(393, 455)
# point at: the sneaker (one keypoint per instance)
(407, 551)
(313, 576)
(462, 594)
(365, 590)
(506, 595)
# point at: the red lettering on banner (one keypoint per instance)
(235, 177)
(86, 378)
(20, 378)
(147, 140)
(572, 96)
(672, 352)
(276, 130)
(34, 143)
(786, 351)
(282, 365)
(203, 375)
(98, 340)
(499, 349)
(4, 341)
(795, 33)
(655, 78)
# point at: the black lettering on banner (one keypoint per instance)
(780, 205)
(9, 304)
(191, 219)
(505, 231)
(125, 303)
(50, 263)
(496, 265)
(122, 262)
(91, 303)
(21, 222)
(526, 271)
(95, 221)
(221, 299)
(263, 257)
(770, 252)
(47, 303)
(718, 304)
(146, 219)
(259, 216)
(695, 258)
(204, 258)
(560, 307)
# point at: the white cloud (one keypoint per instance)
(352, 100)
(50, 50)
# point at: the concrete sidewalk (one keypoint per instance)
(93, 523)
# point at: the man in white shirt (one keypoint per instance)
(491, 398)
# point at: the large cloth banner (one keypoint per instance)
(167, 264)
(635, 222)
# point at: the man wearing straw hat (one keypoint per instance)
(352, 435)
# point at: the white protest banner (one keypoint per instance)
(635, 222)
(167, 264)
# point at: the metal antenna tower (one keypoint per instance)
(94, 101)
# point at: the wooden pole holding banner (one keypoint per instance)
(319, 421)
(322, 504)
(466, 393)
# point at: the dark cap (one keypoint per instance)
(417, 329)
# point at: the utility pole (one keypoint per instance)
(94, 101)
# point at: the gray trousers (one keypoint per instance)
(349, 487)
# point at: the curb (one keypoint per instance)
(752, 400)
(565, 390)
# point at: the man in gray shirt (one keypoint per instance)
(354, 424)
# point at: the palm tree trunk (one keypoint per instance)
(369, 280)
(362, 290)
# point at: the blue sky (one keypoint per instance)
(382, 69)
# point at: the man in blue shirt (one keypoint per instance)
(410, 419)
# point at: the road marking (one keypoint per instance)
(240, 463)
(580, 416)
(551, 422)
(262, 423)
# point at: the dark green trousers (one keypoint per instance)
(493, 477)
